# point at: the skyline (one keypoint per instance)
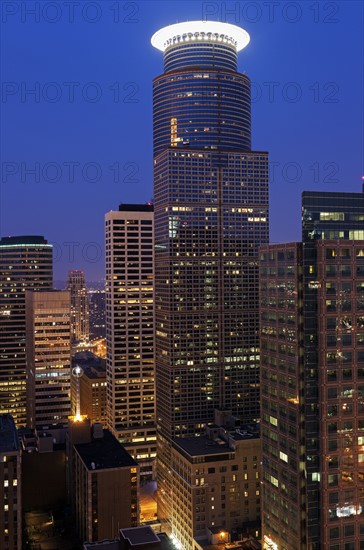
(216, 200)
(119, 134)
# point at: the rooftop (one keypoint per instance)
(23, 240)
(136, 207)
(139, 535)
(104, 453)
(204, 31)
(95, 371)
(139, 539)
(204, 445)
(335, 194)
(9, 440)
(104, 545)
(195, 446)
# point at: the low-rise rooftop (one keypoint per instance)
(202, 445)
(205, 445)
(104, 453)
(139, 535)
(141, 538)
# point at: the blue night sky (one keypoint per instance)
(88, 130)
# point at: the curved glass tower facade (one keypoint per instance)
(205, 55)
(211, 215)
(202, 108)
(201, 101)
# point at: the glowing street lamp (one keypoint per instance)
(77, 373)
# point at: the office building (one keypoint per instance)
(312, 369)
(48, 354)
(10, 485)
(25, 263)
(211, 216)
(106, 483)
(130, 367)
(216, 485)
(76, 284)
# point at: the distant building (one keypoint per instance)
(25, 263)
(215, 484)
(76, 284)
(130, 364)
(105, 483)
(48, 353)
(97, 313)
(10, 486)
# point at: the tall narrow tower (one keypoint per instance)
(211, 215)
(25, 263)
(48, 354)
(130, 367)
(76, 284)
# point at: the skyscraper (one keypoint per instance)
(211, 215)
(312, 368)
(130, 367)
(76, 284)
(48, 353)
(25, 263)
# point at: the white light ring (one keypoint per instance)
(173, 34)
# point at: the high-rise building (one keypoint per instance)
(48, 354)
(76, 284)
(10, 485)
(130, 363)
(312, 379)
(211, 216)
(25, 263)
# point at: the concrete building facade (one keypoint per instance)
(130, 363)
(106, 482)
(216, 484)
